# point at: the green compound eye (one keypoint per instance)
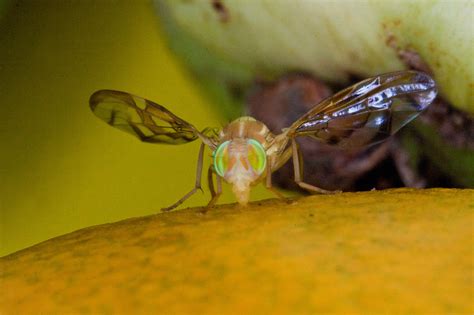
(256, 156)
(221, 158)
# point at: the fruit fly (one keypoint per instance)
(245, 152)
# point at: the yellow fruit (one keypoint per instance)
(395, 251)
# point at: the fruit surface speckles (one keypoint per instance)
(395, 251)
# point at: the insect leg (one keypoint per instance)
(409, 176)
(215, 195)
(268, 183)
(197, 184)
(297, 166)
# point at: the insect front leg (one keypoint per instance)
(197, 184)
(268, 183)
(297, 166)
(215, 194)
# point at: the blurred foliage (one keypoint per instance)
(230, 46)
(333, 40)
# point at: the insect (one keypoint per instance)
(245, 152)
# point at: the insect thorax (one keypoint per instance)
(248, 128)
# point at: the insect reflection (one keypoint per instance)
(245, 152)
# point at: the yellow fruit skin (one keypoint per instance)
(395, 251)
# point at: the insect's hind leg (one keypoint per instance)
(215, 194)
(297, 166)
(197, 184)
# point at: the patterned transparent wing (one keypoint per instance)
(369, 111)
(148, 121)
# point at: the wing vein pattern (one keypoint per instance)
(369, 111)
(148, 121)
